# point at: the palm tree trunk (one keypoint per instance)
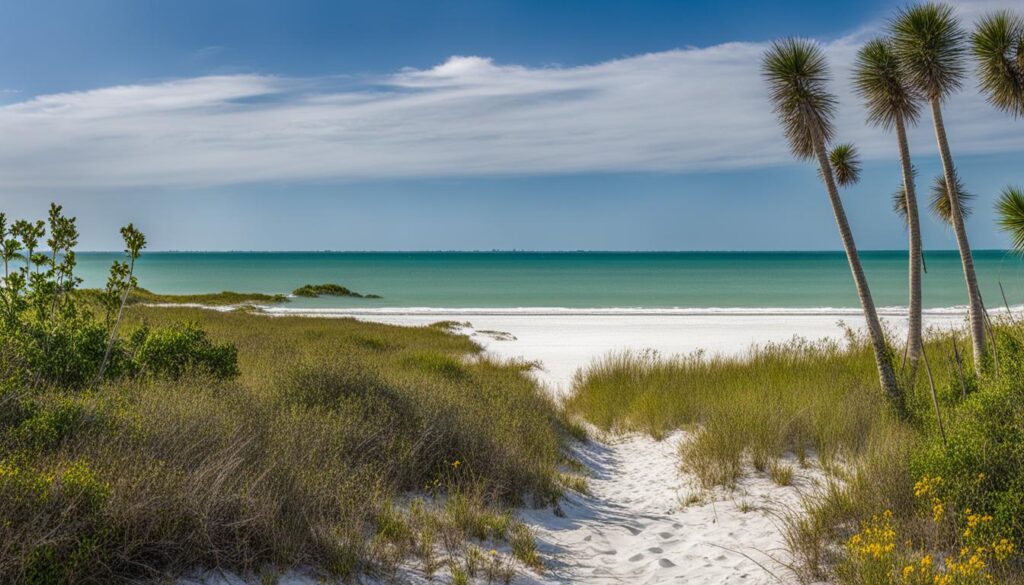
(886, 377)
(975, 306)
(915, 337)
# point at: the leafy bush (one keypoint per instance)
(46, 423)
(49, 334)
(173, 351)
(982, 465)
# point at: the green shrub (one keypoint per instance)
(49, 335)
(179, 349)
(982, 465)
(48, 423)
(330, 290)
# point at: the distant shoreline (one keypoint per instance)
(527, 252)
(612, 311)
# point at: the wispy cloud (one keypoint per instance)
(681, 110)
(208, 51)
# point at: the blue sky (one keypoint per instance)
(449, 125)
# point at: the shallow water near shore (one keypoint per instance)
(573, 281)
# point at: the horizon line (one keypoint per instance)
(524, 251)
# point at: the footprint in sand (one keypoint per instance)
(636, 557)
(665, 563)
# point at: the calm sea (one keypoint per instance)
(698, 280)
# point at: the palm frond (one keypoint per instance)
(998, 45)
(940, 204)
(882, 86)
(1010, 209)
(899, 204)
(930, 46)
(846, 164)
(797, 76)
(899, 198)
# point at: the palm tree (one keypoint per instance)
(998, 45)
(797, 77)
(1010, 208)
(929, 44)
(892, 104)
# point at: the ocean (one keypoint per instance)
(753, 281)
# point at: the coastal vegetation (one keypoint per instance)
(930, 46)
(140, 295)
(942, 483)
(145, 443)
(926, 486)
(893, 105)
(226, 440)
(220, 299)
(330, 290)
(797, 77)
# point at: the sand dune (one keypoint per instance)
(645, 521)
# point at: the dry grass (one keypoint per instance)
(293, 463)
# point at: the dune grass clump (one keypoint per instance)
(797, 397)
(291, 462)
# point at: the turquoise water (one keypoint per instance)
(572, 280)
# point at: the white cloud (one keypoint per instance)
(680, 110)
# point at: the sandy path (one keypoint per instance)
(637, 524)
(636, 527)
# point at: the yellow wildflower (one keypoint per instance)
(1002, 549)
(926, 486)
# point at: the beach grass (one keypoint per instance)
(887, 477)
(304, 459)
(798, 397)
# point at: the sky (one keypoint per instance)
(454, 125)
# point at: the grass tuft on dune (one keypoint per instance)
(295, 462)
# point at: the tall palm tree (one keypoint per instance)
(998, 45)
(797, 77)
(1010, 209)
(892, 104)
(929, 44)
